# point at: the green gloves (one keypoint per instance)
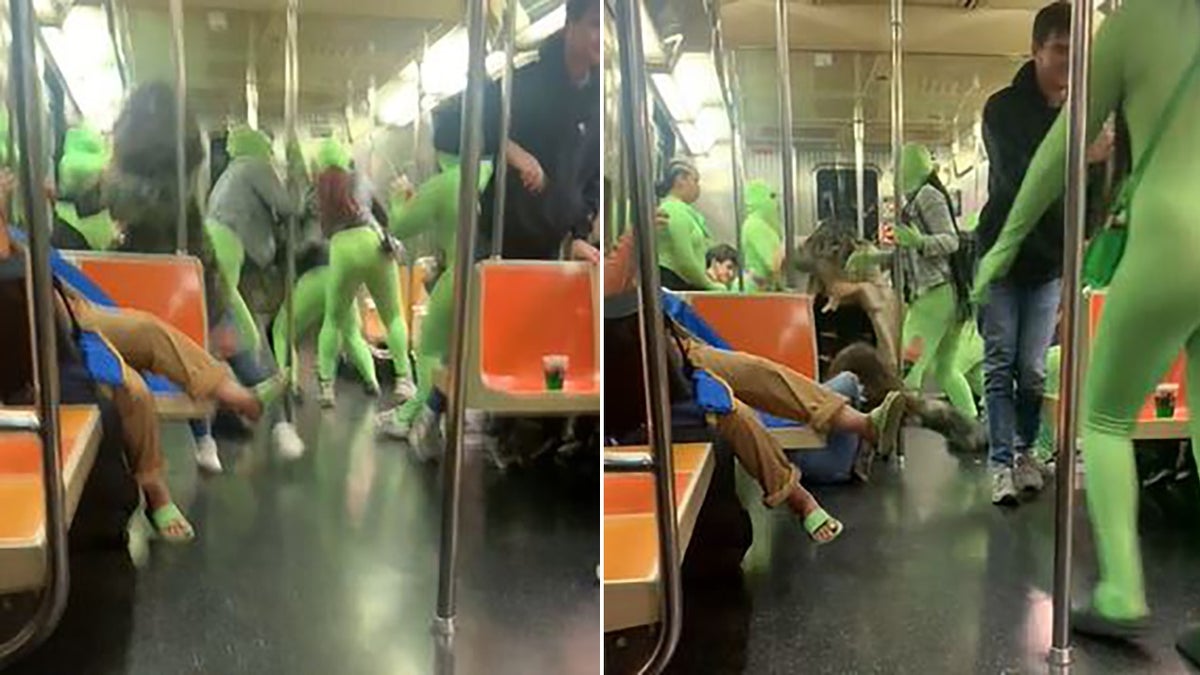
(863, 259)
(908, 237)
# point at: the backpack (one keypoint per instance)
(962, 261)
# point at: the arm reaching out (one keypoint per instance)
(1045, 180)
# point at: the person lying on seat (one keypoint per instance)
(731, 386)
(116, 344)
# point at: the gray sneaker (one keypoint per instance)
(1027, 474)
(1003, 492)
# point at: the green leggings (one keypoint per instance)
(435, 343)
(1148, 318)
(932, 319)
(230, 256)
(355, 259)
(309, 298)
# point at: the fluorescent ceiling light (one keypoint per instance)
(669, 91)
(83, 50)
(543, 28)
(696, 78)
(714, 123)
(697, 141)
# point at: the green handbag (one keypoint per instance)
(1106, 249)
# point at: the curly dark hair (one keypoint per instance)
(144, 134)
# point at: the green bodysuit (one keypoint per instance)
(309, 300)
(433, 209)
(357, 258)
(1151, 311)
(928, 240)
(683, 244)
(762, 239)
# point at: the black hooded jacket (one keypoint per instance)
(1015, 120)
(558, 123)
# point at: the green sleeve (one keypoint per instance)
(409, 218)
(683, 247)
(1045, 179)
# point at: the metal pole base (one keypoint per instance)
(443, 649)
(1060, 657)
(443, 626)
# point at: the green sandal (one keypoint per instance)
(814, 521)
(886, 421)
(164, 517)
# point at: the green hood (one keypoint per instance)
(85, 155)
(246, 142)
(763, 202)
(916, 165)
(332, 154)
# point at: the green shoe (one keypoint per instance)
(166, 516)
(886, 420)
(818, 519)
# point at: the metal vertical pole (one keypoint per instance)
(32, 170)
(787, 145)
(468, 216)
(654, 339)
(897, 22)
(252, 75)
(860, 192)
(1068, 414)
(737, 159)
(500, 167)
(181, 233)
(291, 104)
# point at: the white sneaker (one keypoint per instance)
(426, 437)
(326, 393)
(404, 389)
(206, 455)
(287, 441)
(1003, 491)
(1027, 474)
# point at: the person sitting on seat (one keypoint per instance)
(721, 264)
(751, 383)
(81, 218)
(683, 243)
(117, 344)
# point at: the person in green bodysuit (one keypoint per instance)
(762, 238)
(928, 237)
(82, 220)
(433, 209)
(360, 253)
(246, 210)
(685, 241)
(312, 286)
(1140, 56)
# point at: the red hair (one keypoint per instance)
(336, 205)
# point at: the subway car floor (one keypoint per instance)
(329, 565)
(931, 578)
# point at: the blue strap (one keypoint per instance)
(684, 315)
(102, 364)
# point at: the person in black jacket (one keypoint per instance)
(1018, 321)
(553, 149)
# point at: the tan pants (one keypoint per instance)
(143, 342)
(759, 384)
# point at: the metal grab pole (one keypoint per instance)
(1068, 415)
(468, 217)
(291, 104)
(860, 170)
(181, 233)
(252, 75)
(654, 339)
(897, 21)
(28, 104)
(727, 76)
(501, 164)
(787, 154)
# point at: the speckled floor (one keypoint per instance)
(929, 578)
(329, 565)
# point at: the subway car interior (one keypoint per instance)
(803, 114)
(289, 520)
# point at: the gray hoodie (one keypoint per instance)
(250, 200)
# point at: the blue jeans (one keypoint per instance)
(1017, 325)
(834, 464)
